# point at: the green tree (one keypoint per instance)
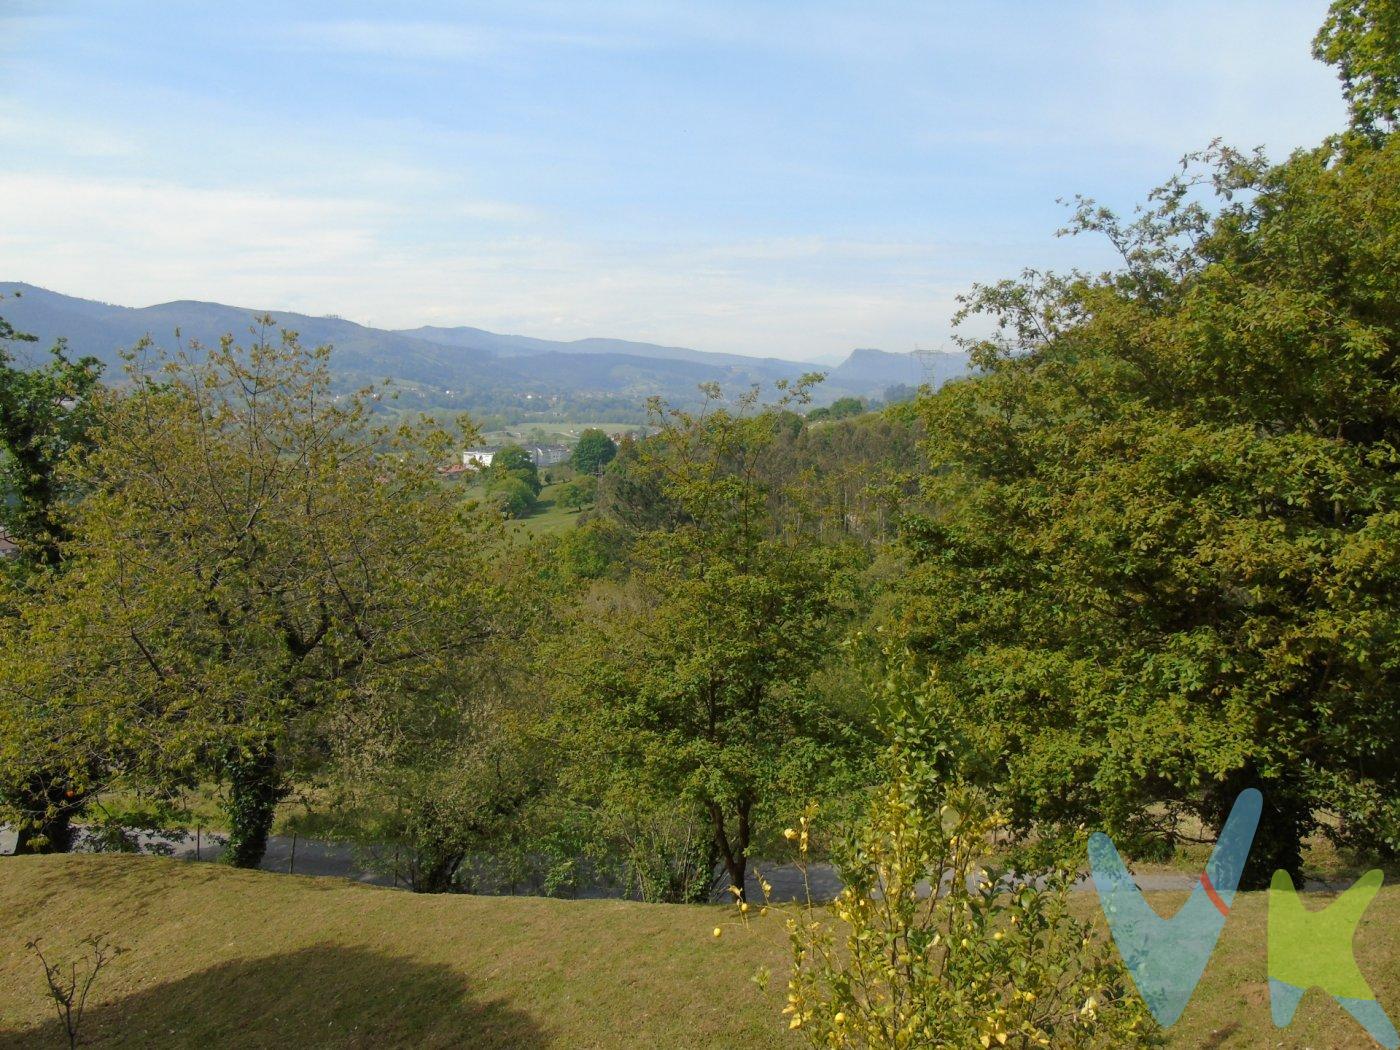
(252, 556)
(514, 461)
(594, 451)
(595, 549)
(1162, 561)
(45, 418)
(578, 493)
(511, 494)
(433, 778)
(845, 407)
(1362, 39)
(682, 689)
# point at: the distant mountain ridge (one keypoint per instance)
(460, 366)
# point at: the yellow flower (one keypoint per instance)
(796, 1021)
(789, 834)
(718, 931)
(998, 935)
(744, 906)
(1090, 1009)
(840, 1018)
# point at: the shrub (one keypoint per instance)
(993, 958)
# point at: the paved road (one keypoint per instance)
(314, 857)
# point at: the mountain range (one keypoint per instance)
(462, 367)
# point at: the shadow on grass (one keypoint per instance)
(316, 997)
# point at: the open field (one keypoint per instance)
(549, 518)
(555, 432)
(236, 958)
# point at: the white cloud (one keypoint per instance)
(139, 242)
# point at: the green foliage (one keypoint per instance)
(681, 690)
(1161, 561)
(578, 493)
(45, 416)
(46, 422)
(595, 549)
(841, 408)
(436, 780)
(1362, 39)
(632, 495)
(449, 784)
(513, 482)
(514, 460)
(994, 958)
(251, 557)
(900, 392)
(511, 494)
(594, 451)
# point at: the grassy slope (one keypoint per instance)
(548, 517)
(231, 958)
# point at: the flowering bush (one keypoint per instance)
(985, 958)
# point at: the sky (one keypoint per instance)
(781, 178)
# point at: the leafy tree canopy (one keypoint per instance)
(1362, 39)
(594, 451)
(1162, 565)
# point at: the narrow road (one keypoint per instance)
(299, 856)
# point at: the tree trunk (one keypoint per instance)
(48, 808)
(1286, 819)
(734, 853)
(255, 788)
(438, 872)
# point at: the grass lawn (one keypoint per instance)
(234, 958)
(548, 518)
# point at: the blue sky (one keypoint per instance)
(794, 179)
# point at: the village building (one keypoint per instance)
(481, 456)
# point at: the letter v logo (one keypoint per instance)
(1167, 956)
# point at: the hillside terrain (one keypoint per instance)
(242, 958)
(462, 368)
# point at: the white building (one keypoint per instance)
(481, 456)
(549, 455)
